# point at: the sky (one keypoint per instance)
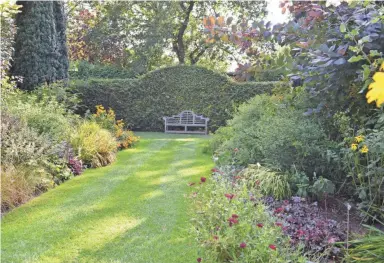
(274, 12)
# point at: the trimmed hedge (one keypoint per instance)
(143, 102)
(86, 70)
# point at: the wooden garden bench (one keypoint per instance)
(184, 120)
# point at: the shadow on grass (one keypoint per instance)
(132, 211)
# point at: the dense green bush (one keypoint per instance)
(42, 113)
(143, 102)
(272, 132)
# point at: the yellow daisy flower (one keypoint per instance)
(354, 146)
(359, 138)
(376, 89)
(364, 149)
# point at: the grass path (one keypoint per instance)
(132, 211)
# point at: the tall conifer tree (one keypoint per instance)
(41, 54)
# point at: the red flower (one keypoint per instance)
(203, 179)
(260, 225)
(243, 245)
(233, 220)
(190, 184)
(215, 237)
(198, 259)
(229, 196)
(278, 224)
(273, 247)
(279, 210)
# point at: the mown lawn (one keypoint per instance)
(135, 210)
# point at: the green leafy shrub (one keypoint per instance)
(42, 113)
(143, 102)
(272, 132)
(107, 120)
(231, 225)
(96, 146)
(21, 144)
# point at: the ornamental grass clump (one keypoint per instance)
(96, 146)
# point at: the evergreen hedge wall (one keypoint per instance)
(143, 102)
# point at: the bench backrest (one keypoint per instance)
(186, 117)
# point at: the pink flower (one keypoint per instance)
(214, 170)
(229, 196)
(273, 247)
(278, 224)
(235, 216)
(203, 179)
(260, 225)
(243, 245)
(198, 259)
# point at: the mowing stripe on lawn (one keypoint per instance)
(132, 211)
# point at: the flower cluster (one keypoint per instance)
(233, 220)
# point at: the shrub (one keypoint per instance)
(143, 102)
(107, 120)
(96, 146)
(21, 144)
(268, 131)
(42, 113)
(233, 226)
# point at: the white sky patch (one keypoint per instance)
(274, 12)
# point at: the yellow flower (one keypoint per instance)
(354, 146)
(359, 138)
(364, 149)
(376, 89)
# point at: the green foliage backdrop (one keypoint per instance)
(143, 102)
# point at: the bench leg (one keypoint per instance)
(185, 129)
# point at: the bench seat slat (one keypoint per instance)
(186, 119)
